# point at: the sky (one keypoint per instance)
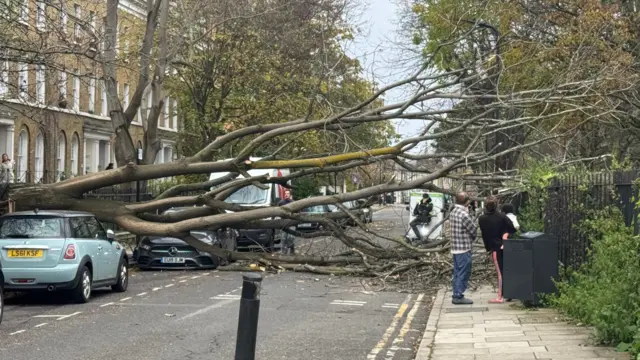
(374, 48)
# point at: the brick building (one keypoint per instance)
(54, 119)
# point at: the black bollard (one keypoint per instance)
(248, 319)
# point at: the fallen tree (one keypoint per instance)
(464, 98)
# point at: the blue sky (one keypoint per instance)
(378, 55)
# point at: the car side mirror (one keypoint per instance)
(111, 235)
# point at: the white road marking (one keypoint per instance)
(390, 330)
(391, 305)
(208, 308)
(168, 286)
(40, 325)
(348, 303)
(125, 299)
(235, 290)
(17, 332)
(59, 317)
(226, 296)
(156, 289)
(195, 277)
(142, 294)
(68, 316)
(182, 281)
(205, 274)
(107, 304)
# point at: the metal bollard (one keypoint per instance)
(248, 318)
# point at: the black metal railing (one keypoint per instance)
(573, 199)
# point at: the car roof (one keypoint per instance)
(60, 213)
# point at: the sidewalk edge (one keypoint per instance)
(424, 351)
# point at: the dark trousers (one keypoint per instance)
(414, 225)
(461, 273)
(498, 260)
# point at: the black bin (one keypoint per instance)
(530, 266)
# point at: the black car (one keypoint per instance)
(163, 252)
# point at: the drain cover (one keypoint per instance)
(464, 310)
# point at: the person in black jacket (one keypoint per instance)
(493, 225)
(423, 215)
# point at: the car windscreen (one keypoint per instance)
(314, 209)
(249, 194)
(28, 227)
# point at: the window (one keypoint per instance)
(23, 156)
(62, 86)
(23, 80)
(79, 228)
(39, 158)
(104, 99)
(149, 103)
(77, 30)
(41, 15)
(24, 11)
(31, 227)
(75, 143)
(95, 228)
(92, 20)
(4, 79)
(40, 84)
(63, 18)
(126, 96)
(92, 95)
(175, 115)
(165, 115)
(249, 194)
(62, 154)
(103, 43)
(76, 91)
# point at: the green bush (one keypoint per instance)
(605, 292)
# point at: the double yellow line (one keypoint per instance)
(394, 324)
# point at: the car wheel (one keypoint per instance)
(82, 292)
(123, 277)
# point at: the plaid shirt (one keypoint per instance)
(463, 230)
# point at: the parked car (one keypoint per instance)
(60, 250)
(164, 252)
(1, 293)
(365, 214)
(319, 210)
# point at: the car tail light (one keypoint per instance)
(70, 252)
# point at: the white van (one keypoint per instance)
(252, 195)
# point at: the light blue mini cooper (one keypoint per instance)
(60, 250)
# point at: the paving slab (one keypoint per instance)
(510, 331)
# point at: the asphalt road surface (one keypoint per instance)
(194, 315)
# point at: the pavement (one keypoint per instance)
(194, 315)
(504, 331)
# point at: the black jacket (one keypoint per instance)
(422, 210)
(493, 226)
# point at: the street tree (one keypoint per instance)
(464, 96)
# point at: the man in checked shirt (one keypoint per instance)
(463, 235)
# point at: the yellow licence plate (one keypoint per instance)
(24, 253)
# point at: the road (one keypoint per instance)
(193, 315)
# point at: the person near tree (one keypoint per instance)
(422, 213)
(288, 240)
(493, 226)
(463, 235)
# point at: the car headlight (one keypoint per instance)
(145, 247)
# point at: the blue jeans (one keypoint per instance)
(461, 273)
